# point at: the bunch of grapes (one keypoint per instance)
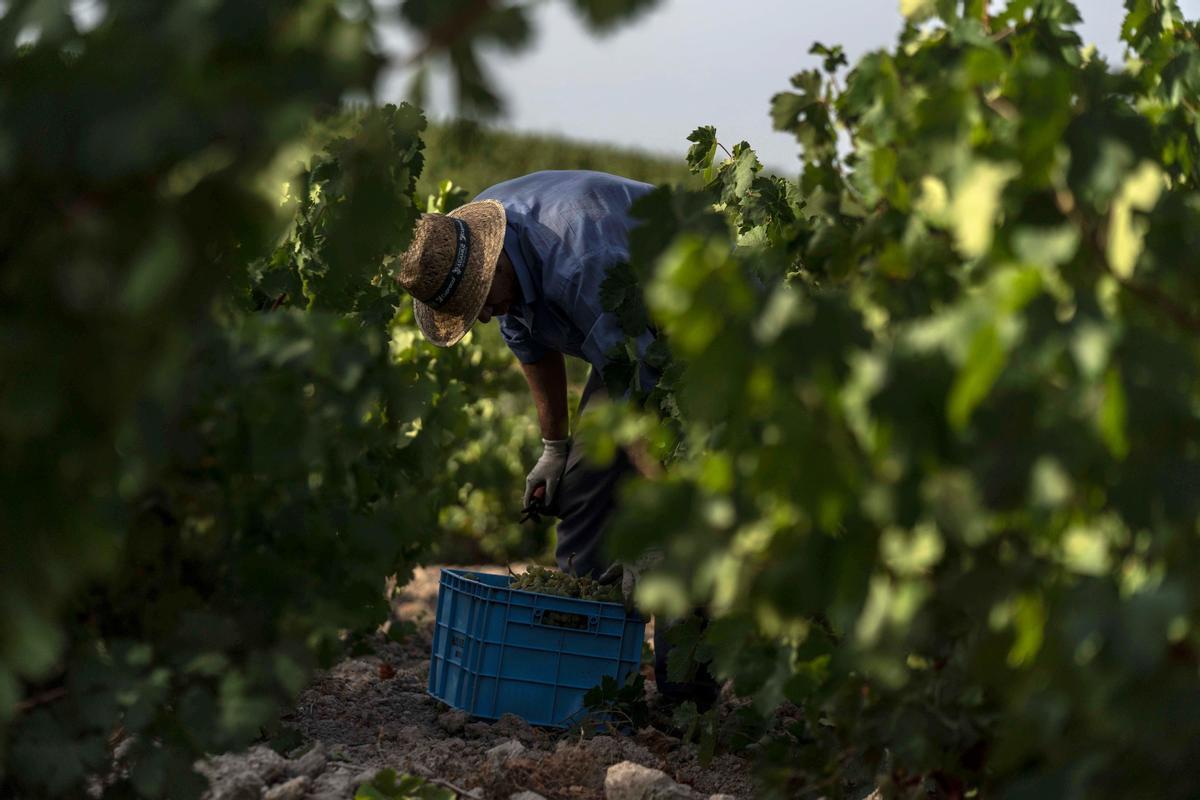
(551, 581)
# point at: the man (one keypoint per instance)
(533, 252)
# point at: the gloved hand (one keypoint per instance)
(630, 574)
(548, 470)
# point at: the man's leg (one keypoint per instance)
(586, 500)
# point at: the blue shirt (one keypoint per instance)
(565, 229)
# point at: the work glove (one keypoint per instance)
(548, 470)
(630, 574)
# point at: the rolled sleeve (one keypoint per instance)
(522, 345)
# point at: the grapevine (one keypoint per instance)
(930, 403)
(932, 408)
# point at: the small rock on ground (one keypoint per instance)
(243, 776)
(295, 789)
(310, 765)
(338, 784)
(503, 752)
(246, 786)
(630, 781)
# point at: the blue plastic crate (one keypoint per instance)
(501, 651)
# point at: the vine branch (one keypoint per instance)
(45, 698)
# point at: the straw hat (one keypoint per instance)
(449, 266)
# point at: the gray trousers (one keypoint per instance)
(585, 501)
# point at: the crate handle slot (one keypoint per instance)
(566, 620)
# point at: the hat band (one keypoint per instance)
(462, 252)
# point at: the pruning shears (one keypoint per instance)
(536, 507)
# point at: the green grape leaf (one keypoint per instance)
(1111, 420)
(832, 57)
(604, 15)
(390, 785)
(620, 294)
(703, 150)
(736, 176)
(986, 356)
(687, 652)
(804, 113)
(49, 755)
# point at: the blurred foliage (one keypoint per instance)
(293, 461)
(219, 432)
(129, 163)
(934, 413)
(457, 31)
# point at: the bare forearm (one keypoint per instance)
(547, 381)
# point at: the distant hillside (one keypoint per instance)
(475, 158)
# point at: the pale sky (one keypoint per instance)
(690, 63)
